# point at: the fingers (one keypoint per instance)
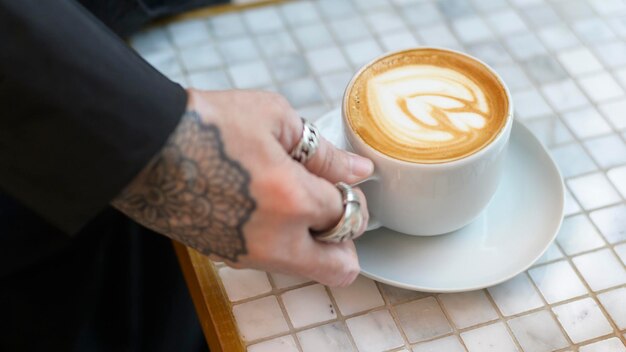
(335, 265)
(336, 165)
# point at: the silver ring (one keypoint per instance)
(308, 143)
(351, 220)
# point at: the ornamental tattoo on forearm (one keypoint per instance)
(193, 192)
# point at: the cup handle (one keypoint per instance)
(373, 223)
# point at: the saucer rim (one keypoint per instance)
(517, 126)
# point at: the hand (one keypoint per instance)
(225, 185)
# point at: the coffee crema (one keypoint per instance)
(426, 105)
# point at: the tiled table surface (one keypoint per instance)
(565, 62)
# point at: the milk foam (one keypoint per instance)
(427, 106)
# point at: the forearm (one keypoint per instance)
(193, 192)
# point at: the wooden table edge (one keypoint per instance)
(212, 305)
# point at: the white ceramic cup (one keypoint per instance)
(430, 199)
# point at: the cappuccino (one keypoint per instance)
(426, 105)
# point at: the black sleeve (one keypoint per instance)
(80, 113)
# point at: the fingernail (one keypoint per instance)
(361, 167)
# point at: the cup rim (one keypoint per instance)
(467, 159)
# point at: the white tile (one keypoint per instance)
(238, 50)
(609, 7)
(621, 76)
(362, 52)
(263, 19)
(279, 344)
(573, 9)
(347, 30)
(422, 319)
(302, 92)
(277, 45)
(397, 295)
(586, 123)
(384, 21)
(329, 337)
(611, 222)
(618, 178)
(326, 60)
(516, 295)
(506, 22)
(608, 151)
(544, 69)
(557, 281)
(289, 67)
(447, 344)
(610, 345)
(582, 320)
(577, 235)
(550, 131)
(244, 283)
(524, 46)
(313, 36)
(615, 112)
(614, 302)
(513, 76)
(368, 5)
(491, 52)
(336, 8)
(438, 35)
(361, 295)
(601, 87)
(593, 191)
(553, 253)
(618, 24)
(601, 269)
(308, 305)
(571, 205)
(564, 95)
(530, 104)
(375, 331)
(540, 15)
(472, 29)
(259, 318)
(538, 332)
(226, 25)
(189, 32)
(593, 30)
(151, 40)
(621, 252)
(334, 84)
(523, 3)
(468, 308)
(490, 338)
(209, 80)
(299, 12)
(284, 281)
(314, 112)
(398, 40)
(572, 160)
(612, 54)
(420, 14)
(579, 61)
(250, 75)
(558, 37)
(199, 57)
(489, 5)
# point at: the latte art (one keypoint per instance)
(427, 105)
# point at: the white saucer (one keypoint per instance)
(512, 233)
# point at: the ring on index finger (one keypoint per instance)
(308, 143)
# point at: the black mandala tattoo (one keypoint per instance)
(193, 192)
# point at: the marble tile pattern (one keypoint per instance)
(565, 63)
